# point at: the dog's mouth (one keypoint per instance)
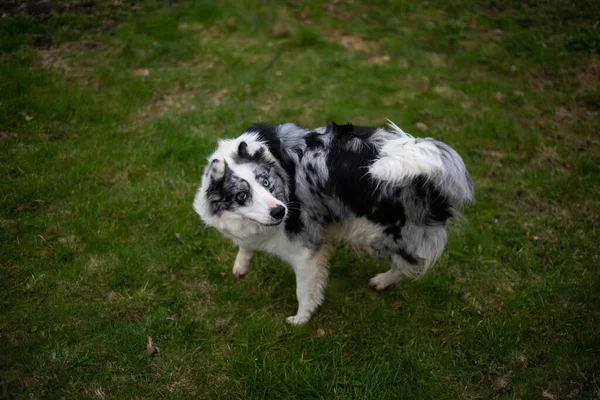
(273, 224)
(265, 224)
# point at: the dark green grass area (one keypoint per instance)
(108, 111)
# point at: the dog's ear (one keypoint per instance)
(252, 153)
(216, 169)
(243, 150)
(217, 172)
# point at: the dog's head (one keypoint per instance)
(243, 189)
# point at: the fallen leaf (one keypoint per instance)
(150, 349)
(351, 42)
(178, 235)
(501, 383)
(445, 92)
(379, 59)
(523, 360)
(232, 22)
(320, 333)
(499, 96)
(548, 395)
(173, 276)
(281, 29)
(421, 126)
(27, 117)
(142, 72)
(563, 113)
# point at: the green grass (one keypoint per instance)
(107, 114)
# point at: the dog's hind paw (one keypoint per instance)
(298, 319)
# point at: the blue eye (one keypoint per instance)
(266, 182)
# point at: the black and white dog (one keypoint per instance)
(288, 190)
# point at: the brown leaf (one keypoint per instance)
(320, 333)
(112, 295)
(143, 72)
(548, 395)
(421, 126)
(281, 29)
(150, 349)
(352, 42)
(379, 59)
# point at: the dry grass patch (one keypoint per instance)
(588, 75)
(178, 102)
(354, 42)
(61, 58)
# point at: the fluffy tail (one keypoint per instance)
(405, 158)
(454, 181)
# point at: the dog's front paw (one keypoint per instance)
(379, 282)
(239, 273)
(298, 319)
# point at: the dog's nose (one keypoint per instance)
(278, 212)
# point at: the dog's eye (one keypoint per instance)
(266, 182)
(241, 197)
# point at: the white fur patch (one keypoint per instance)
(404, 158)
(396, 129)
(359, 232)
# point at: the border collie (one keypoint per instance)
(289, 190)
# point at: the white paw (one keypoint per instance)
(298, 319)
(379, 282)
(239, 273)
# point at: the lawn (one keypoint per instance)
(110, 287)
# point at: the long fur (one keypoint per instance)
(382, 190)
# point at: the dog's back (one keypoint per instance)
(402, 190)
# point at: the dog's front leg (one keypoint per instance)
(242, 262)
(311, 278)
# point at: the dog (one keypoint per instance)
(289, 191)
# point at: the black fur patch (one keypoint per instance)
(408, 257)
(243, 156)
(438, 206)
(348, 131)
(268, 135)
(356, 189)
(359, 191)
(221, 192)
(313, 141)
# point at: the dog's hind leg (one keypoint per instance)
(242, 262)
(400, 269)
(311, 278)
(423, 246)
